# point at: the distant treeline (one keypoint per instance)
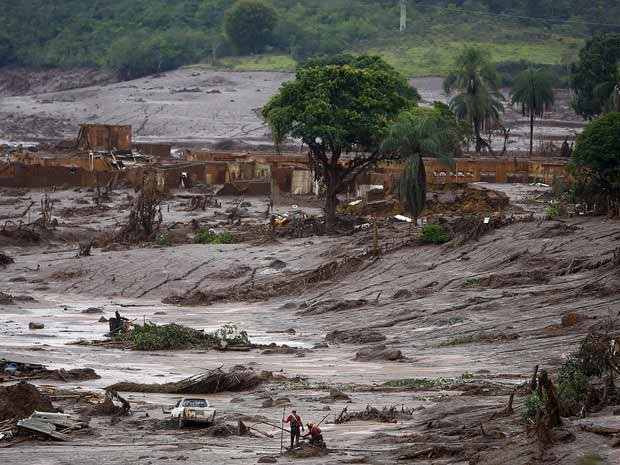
(137, 37)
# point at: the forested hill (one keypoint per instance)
(135, 37)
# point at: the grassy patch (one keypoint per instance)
(205, 236)
(431, 55)
(459, 341)
(592, 458)
(257, 63)
(472, 282)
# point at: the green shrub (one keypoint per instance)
(163, 240)
(590, 360)
(177, 337)
(208, 236)
(434, 234)
(534, 406)
(472, 282)
(460, 340)
(552, 211)
(416, 384)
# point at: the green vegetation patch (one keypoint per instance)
(177, 337)
(207, 236)
(417, 384)
(434, 234)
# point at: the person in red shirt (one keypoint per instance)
(296, 426)
(316, 436)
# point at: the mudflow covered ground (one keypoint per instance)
(196, 106)
(441, 335)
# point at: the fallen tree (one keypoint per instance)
(239, 378)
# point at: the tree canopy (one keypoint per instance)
(596, 163)
(594, 77)
(249, 24)
(69, 33)
(342, 113)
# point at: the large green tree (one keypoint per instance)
(593, 78)
(596, 163)
(342, 113)
(249, 25)
(420, 132)
(475, 84)
(533, 92)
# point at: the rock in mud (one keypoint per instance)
(76, 374)
(355, 336)
(402, 294)
(267, 403)
(268, 460)
(35, 325)
(5, 259)
(6, 299)
(21, 400)
(378, 353)
(305, 450)
(277, 265)
(92, 311)
(220, 431)
(572, 319)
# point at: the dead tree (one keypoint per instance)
(47, 207)
(145, 217)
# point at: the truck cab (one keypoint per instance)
(192, 409)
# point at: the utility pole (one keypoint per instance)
(403, 15)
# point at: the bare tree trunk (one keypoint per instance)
(531, 132)
(331, 201)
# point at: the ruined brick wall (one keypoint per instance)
(37, 176)
(103, 137)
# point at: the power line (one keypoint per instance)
(506, 15)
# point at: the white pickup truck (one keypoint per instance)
(191, 409)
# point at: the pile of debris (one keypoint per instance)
(465, 198)
(21, 400)
(11, 371)
(52, 425)
(112, 404)
(386, 415)
(24, 409)
(239, 378)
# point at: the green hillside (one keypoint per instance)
(137, 37)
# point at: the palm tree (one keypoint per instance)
(608, 93)
(533, 91)
(478, 99)
(416, 133)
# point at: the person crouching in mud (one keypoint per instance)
(296, 426)
(316, 436)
